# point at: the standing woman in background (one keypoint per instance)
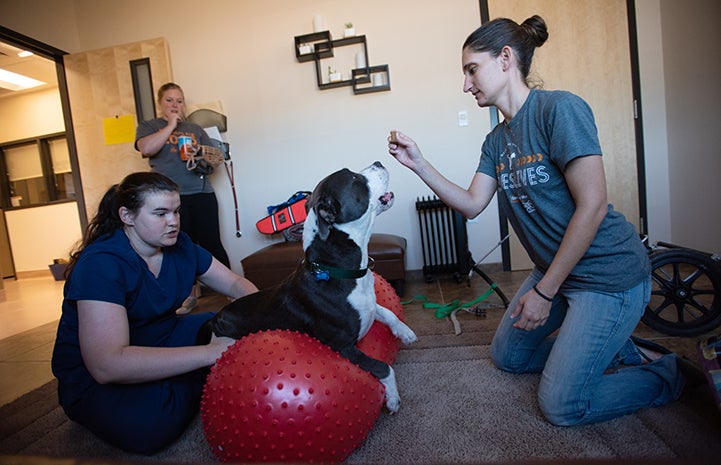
(591, 280)
(157, 140)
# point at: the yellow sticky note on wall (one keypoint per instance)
(119, 129)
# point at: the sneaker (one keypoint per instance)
(693, 374)
(649, 350)
(188, 305)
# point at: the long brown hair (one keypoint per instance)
(131, 194)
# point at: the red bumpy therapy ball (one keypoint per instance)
(283, 396)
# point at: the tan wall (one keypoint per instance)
(37, 235)
(100, 89)
(285, 133)
(30, 115)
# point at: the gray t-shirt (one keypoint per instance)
(168, 161)
(527, 157)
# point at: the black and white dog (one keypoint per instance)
(331, 295)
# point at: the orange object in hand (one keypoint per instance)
(185, 145)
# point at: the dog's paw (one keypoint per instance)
(393, 403)
(393, 400)
(405, 334)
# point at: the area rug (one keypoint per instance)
(456, 408)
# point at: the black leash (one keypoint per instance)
(231, 177)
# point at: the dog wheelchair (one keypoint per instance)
(686, 292)
(685, 295)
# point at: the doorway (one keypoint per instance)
(40, 181)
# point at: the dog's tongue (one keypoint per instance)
(387, 199)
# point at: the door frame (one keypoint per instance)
(56, 55)
(638, 129)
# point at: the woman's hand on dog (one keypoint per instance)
(218, 345)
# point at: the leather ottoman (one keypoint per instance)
(270, 265)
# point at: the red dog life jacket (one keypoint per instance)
(283, 218)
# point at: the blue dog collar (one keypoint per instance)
(324, 273)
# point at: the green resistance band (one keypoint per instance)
(444, 310)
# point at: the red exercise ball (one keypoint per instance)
(283, 396)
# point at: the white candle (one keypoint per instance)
(378, 79)
(318, 23)
(360, 60)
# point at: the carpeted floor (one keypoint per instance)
(456, 408)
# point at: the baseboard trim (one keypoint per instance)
(488, 268)
(33, 274)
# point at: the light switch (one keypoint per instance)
(462, 118)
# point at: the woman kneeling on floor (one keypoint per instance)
(591, 280)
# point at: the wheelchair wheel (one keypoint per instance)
(686, 292)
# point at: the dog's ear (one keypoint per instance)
(327, 210)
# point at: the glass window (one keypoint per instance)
(143, 89)
(25, 173)
(62, 172)
(37, 172)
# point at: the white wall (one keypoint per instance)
(692, 64)
(648, 22)
(39, 235)
(49, 21)
(285, 134)
(680, 51)
(30, 115)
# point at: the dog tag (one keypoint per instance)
(321, 275)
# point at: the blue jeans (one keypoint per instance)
(575, 386)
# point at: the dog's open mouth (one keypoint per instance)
(386, 200)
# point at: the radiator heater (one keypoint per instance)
(444, 240)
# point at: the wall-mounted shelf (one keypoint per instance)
(372, 79)
(320, 66)
(319, 46)
(310, 41)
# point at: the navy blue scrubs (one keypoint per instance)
(146, 417)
